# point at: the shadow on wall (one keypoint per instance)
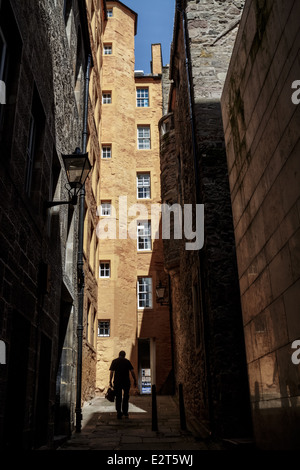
(153, 346)
(276, 400)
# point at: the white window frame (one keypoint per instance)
(144, 292)
(143, 186)
(142, 97)
(105, 208)
(107, 49)
(106, 152)
(144, 235)
(144, 137)
(110, 12)
(104, 269)
(106, 97)
(105, 328)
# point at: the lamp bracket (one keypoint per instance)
(72, 201)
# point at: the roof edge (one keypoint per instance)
(127, 8)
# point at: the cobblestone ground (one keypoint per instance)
(101, 430)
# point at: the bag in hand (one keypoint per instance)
(110, 394)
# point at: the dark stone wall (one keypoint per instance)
(36, 292)
(208, 335)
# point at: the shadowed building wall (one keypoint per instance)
(262, 138)
(208, 335)
(43, 58)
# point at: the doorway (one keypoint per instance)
(17, 403)
(42, 402)
(146, 364)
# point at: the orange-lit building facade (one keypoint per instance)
(129, 255)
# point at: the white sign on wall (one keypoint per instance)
(2, 352)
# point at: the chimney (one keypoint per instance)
(156, 63)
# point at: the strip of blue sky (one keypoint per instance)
(155, 25)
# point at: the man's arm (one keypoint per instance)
(111, 377)
(133, 376)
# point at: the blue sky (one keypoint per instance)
(155, 25)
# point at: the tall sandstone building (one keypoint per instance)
(130, 255)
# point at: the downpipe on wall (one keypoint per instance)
(80, 271)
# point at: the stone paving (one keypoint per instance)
(101, 430)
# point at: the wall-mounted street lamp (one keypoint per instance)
(77, 166)
(160, 294)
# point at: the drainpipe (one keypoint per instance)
(80, 271)
(198, 201)
(172, 332)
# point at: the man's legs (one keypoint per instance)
(125, 403)
(118, 391)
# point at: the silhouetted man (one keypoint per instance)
(120, 368)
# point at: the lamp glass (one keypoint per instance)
(160, 292)
(77, 169)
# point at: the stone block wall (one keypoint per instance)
(37, 289)
(208, 335)
(262, 138)
(96, 23)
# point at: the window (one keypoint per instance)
(30, 154)
(106, 208)
(34, 151)
(143, 137)
(10, 64)
(143, 186)
(142, 97)
(107, 49)
(104, 269)
(144, 289)
(106, 151)
(104, 328)
(144, 235)
(106, 97)
(109, 13)
(3, 55)
(79, 75)
(67, 10)
(93, 328)
(3, 71)
(88, 316)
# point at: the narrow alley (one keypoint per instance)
(150, 230)
(101, 430)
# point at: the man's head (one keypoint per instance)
(122, 354)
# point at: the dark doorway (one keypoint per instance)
(42, 403)
(17, 382)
